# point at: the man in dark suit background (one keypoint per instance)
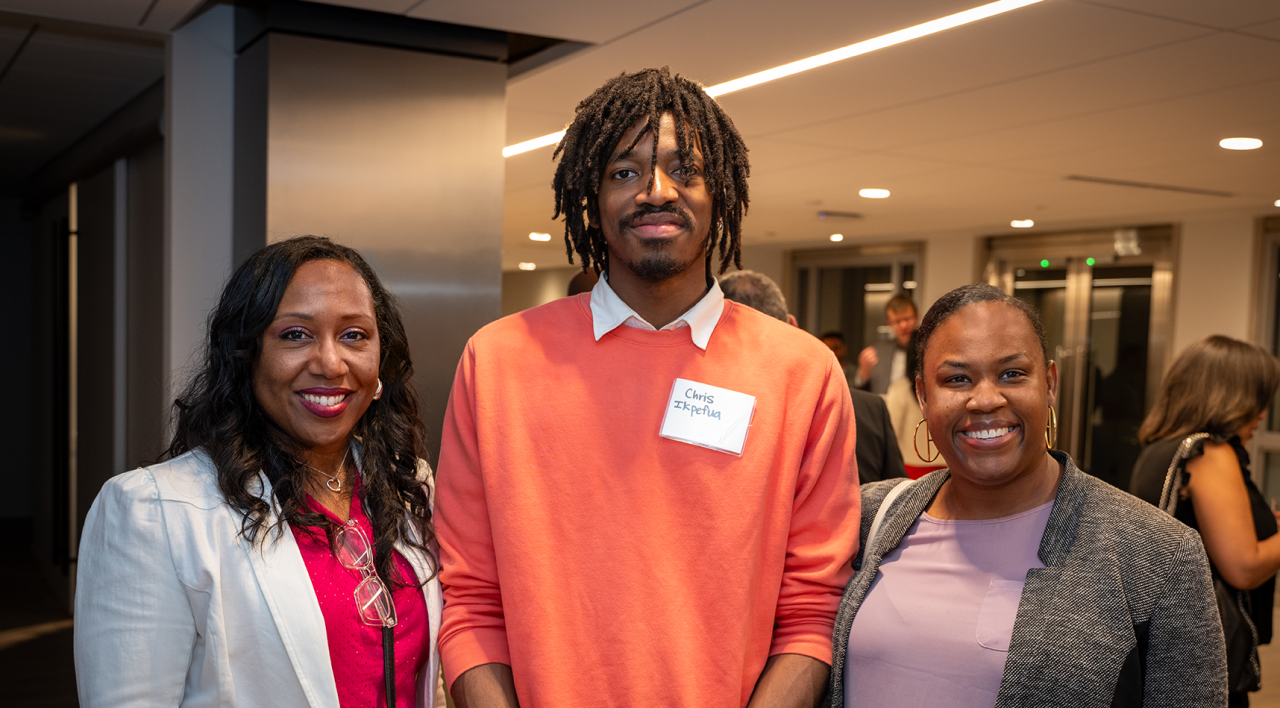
(877, 447)
(883, 363)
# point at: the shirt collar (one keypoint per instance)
(608, 312)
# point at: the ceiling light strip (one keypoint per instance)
(835, 55)
(870, 45)
(534, 144)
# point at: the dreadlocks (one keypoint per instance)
(601, 121)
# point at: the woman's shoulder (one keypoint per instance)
(1152, 466)
(189, 478)
(1215, 453)
(1132, 525)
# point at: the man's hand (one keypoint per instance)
(790, 681)
(485, 686)
(867, 360)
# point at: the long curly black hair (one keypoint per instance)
(219, 414)
(601, 121)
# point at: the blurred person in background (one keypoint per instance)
(1012, 578)
(877, 449)
(1194, 465)
(906, 418)
(283, 554)
(884, 362)
(835, 342)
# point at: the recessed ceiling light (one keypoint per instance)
(525, 265)
(1278, 202)
(535, 236)
(869, 45)
(837, 237)
(1022, 223)
(874, 193)
(1240, 143)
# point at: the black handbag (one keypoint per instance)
(1244, 672)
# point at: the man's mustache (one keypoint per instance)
(648, 209)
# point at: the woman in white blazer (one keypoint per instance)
(283, 555)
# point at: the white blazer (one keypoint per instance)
(173, 607)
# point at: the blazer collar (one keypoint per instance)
(1060, 532)
(286, 586)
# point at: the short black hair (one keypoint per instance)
(832, 335)
(602, 119)
(951, 303)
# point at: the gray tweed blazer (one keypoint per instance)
(1122, 614)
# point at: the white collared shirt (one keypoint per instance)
(608, 312)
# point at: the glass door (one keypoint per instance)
(845, 290)
(1104, 299)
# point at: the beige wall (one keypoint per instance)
(947, 263)
(524, 289)
(1214, 279)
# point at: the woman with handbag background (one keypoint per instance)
(1194, 466)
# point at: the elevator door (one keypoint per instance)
(1106, 320)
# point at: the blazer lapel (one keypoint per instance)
(286, 586)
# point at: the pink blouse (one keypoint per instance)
(355, 648)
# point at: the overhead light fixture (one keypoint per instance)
(1022, 223)
(874, 193)
(535, 236)
(525, 265)
(870, 45)
(1240, 143)
(1278, 202)
(837, 237)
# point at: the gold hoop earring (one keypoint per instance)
(915, 442)
(1051, 430)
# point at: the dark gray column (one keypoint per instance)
(396, 152)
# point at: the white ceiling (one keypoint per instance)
(969, 128)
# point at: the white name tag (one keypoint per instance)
(708, 416)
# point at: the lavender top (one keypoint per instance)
(934, 628)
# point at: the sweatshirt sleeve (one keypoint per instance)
(824, 527)
(473, 628)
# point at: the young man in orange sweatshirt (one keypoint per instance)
(647, 495)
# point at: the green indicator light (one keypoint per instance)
(1044, 263)
(1089, 261)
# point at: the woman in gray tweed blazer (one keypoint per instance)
(1012, 578)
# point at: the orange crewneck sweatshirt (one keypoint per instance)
(611, 567)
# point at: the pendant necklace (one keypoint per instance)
(335, 481)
